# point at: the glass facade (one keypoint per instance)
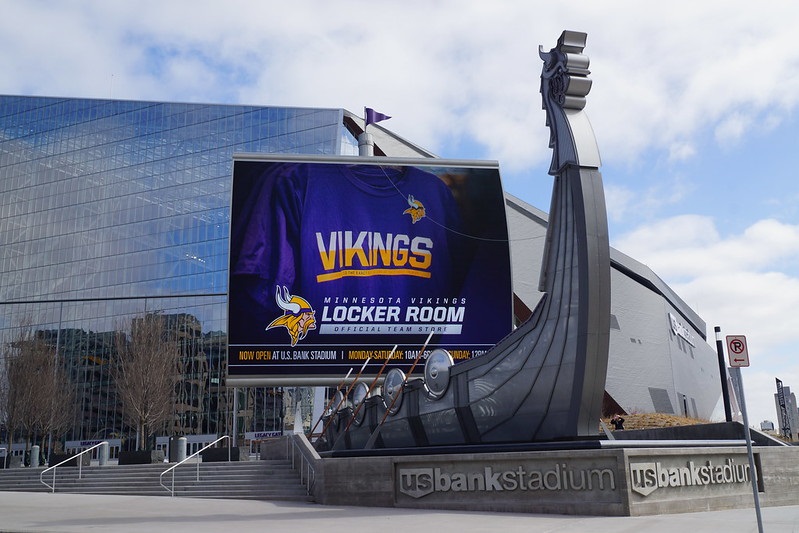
(111, 210)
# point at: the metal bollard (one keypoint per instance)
(34, 456)
(181, 449)
(102, 454)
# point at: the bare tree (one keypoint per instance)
(4, 390)
(55, 406)
(146, 373)
(12, 393)
(35, 392)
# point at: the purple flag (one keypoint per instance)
(373, 116)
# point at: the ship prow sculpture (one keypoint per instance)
(545, 381)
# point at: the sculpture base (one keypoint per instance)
(605, 478)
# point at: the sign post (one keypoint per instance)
(738, 356)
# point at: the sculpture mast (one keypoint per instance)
(578, 189)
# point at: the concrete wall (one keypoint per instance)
(780, 475)
(555, 482)
(712, 431)
(685, 480)
(623, 481)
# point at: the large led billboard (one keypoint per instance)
(334, 261)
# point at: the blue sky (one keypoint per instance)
(694, 107)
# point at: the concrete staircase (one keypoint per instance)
(251, 480)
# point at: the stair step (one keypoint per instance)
(258, 480)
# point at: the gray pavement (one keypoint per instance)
(43, 512)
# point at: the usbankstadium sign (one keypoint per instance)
(648, 476)
(419, 482)
(520, 483)
(604, 478)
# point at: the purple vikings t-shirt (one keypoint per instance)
(343, 233)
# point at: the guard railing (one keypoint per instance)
(76, 458)
(300, 461)
(195, 454)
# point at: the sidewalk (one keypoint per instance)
(43, 512)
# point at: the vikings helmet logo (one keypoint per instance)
(298, 315)
(416, 209)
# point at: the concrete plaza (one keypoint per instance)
(44, 512)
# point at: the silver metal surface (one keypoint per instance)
(392, 390)
(436, 372)
(339, 403)
(359, 394)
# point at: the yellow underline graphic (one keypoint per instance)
(369, 273)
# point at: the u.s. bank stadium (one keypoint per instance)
(111, 210)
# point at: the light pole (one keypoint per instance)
(725, 393)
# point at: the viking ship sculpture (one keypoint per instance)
(545, 381)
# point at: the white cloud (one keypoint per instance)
(625, 203)
(731, 281)
(618, 201)
(689, 245)
(680, 151)
(761, 306)
(731, 129)
(662, 74)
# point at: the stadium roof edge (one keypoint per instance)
(626, 265)
(389, 143)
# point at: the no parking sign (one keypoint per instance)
(737, 352)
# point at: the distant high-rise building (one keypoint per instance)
(791, 431)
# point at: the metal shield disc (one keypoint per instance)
(339, 402)
(436, 372)
(392, 390)
(358, 397)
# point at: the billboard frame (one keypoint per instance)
(259, 379)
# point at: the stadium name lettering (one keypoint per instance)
(648, 477)
(419, 482)
(367, 251)
(681, 331)
(304, 355)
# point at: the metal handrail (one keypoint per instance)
(80, 465)
(306, 469)
(195, 454)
